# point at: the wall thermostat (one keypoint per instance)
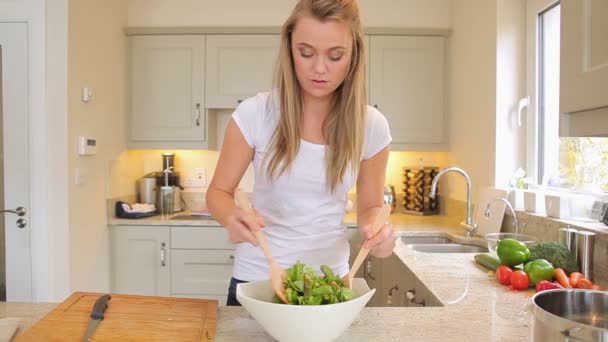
(87, 146)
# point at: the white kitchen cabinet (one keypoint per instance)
(141, 260)
(238, 67)
(202, 260)
(407, 85)
(203, 273)
(167, 108)
(584, 68)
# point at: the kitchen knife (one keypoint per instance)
(101, 304)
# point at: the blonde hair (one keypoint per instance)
(343, 128)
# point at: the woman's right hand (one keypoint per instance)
(242, 225)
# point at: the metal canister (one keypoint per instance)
(584, 248)
(567, 237)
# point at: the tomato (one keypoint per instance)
(503, 275)
(520, 280)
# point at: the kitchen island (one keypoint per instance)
(475, 307)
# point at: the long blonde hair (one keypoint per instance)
(343, 127)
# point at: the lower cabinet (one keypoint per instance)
(192, 262)
(202, 273)
(397, 285)
(141, 260)
(182, 261)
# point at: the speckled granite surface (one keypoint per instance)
(476, 307)
(26, 313)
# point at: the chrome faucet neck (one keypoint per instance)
(468, 224)
(500, 199)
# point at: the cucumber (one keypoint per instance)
(488, 261)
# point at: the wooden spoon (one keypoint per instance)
(277, 274)
(381, 218)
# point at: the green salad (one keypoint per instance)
(305, 287)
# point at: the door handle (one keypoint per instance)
(21, 223)
(198, 114)
(163, 254)
(20, 211)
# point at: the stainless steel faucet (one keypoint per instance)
(515, 223)
(470, 227)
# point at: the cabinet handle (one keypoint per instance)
(162, 255)
(231, 257)
(198, 114)
(239, 101)
(376, 106)
(368, 269)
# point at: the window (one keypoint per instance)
(573, 163)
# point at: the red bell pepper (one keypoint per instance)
(547, 285)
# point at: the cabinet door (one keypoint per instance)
(141, 260)
(238, 67)
(584, 68)
(407, 86)
(167, 75)
(201, 272)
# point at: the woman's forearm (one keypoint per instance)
(367, 215)
(221, 204)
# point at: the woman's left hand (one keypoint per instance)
(382, 244)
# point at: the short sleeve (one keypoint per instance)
(247, 117)
(377, 133)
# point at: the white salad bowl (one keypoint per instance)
(305, 323)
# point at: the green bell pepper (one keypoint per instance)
(539, 269)
(512, 252)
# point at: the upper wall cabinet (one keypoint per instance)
(584, 68)
(167, 91)
(407, 86)
(238, 67)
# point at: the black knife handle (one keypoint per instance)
(101, 304)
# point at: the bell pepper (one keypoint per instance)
(538, 270)
(547, 285)
(512, 252)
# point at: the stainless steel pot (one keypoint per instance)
(570, 315)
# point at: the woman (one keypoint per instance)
(309, 140)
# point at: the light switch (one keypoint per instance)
(87, 94)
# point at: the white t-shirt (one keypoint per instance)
(303, 219)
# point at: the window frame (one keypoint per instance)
(535, 114)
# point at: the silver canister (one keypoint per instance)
(584, 246)
(166, 198)
(567, 237)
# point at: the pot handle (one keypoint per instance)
(568, 334)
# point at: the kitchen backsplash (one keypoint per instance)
(133, 164)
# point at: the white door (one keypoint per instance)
(14, 185)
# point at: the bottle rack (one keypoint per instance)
(416, 190)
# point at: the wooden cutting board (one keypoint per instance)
(128, 318)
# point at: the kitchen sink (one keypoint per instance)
(448, 248)
(415, 240)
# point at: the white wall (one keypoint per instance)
(48, 199)
(377, 13)
(97, 59)
(510, 88)
(472, 92)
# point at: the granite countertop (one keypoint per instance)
(476, 307)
